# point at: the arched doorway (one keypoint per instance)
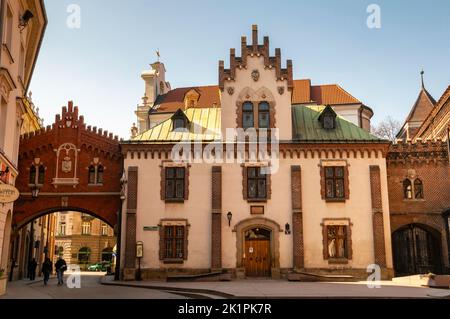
(107, 254)
(417, 250)
(262, 236)
(84, 255)
(257, 260)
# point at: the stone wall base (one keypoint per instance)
(129, 274)
(239, 273)
(3, 285)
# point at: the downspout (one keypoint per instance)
(117, 271)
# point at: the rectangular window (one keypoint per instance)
(337, 245)
(174, 237)
(104, 230)
(86, 228)
(9, 29)
(334, 182)
(256, 183)
(175, 183)
(62, 229)
(247, 115)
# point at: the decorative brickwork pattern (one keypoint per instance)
(297, 217)
(130, 240)
(216, 218)
(377, 217)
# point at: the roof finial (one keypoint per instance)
(158, 54)
(421, 75)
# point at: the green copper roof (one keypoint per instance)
(204, 125)
(307, 127)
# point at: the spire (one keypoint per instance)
(421, 75)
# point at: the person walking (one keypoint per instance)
(60, 267)
(47, 269)
(32, 265)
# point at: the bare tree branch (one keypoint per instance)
(387, 129)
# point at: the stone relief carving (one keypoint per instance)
(230, 90)
(281, 90)
(255, 75)
(66, 165)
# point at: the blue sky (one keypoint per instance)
(98, 66)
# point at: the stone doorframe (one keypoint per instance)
(258, 222)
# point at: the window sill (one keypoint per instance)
(173, 261)
(175, 200)
(335, 200)
(413, 200)
(341, 261)
(98, 184)
(257, 200)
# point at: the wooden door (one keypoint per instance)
(257, 257)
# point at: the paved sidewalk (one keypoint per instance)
(286, 289)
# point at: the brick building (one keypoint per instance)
(83, 239)
(419, 188)
(315, 202)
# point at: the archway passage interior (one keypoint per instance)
(417, 250)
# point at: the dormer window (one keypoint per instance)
(179, 121)
(328, 118)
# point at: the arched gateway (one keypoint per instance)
(68, 167)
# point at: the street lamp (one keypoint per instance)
(229, 216)
(287, 229)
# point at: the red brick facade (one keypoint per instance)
(66, 150)
(427, 161)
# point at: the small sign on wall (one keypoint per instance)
(151, 228)
(257, 210)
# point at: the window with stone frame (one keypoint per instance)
(412, 189)
(86, 228)
(256, 183)
(264, 115)
(334, 182)
(37, 175)
(95, 174)
(248, 116)
(174, 183)
(173, 244)
(337, 243)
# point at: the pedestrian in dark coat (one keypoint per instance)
(47, 269)
(60, 267)
(32, 265)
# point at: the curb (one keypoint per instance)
(230, 296)
(174, 289)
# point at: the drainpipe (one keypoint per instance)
(2, 11)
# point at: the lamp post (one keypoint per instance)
(123, 182)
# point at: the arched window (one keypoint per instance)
(91, 174)
(32, 174)
(407, 189)
(83, 255)
(263, 115)
(418, 189)
(107, 254)
(41, 176)
(100, 174)
(247, 115)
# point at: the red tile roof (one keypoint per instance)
(174, 99)
(303, 93)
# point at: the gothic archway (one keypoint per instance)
(416, 250)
